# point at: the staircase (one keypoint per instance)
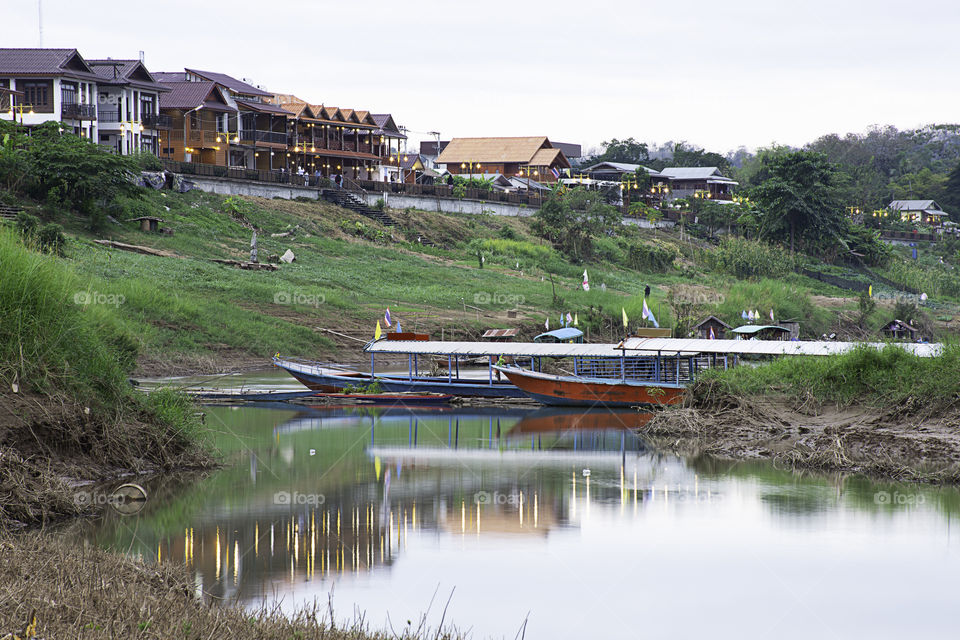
(356, 204)
(9, 212)
(351, 201)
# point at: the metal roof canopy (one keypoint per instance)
(495, 349)
(768, 347)
(638, 347)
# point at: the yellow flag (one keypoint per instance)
(376, 466)
(576, 320)
(624, 317)
(870, 291)
(378, 332)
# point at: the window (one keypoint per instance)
(146, 105)
(37, 94)
(68, 93)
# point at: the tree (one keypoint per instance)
(570, 219)
(629, 151)
(951, 194)
(797, 200)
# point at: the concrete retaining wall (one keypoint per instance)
(447, 205)
(232, 187)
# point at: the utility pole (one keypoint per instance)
(40, 21)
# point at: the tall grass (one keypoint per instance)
(47, 340)
(788, 302)
(888, 377)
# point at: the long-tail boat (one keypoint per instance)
(577, 391)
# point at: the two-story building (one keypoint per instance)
(200, 115)
(50, 84)
(128, 107)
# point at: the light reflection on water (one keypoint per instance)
(566, 517)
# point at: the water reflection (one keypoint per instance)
(374, 499)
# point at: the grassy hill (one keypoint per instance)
(189, 313)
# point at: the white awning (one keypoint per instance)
(766, 347)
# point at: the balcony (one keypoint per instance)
(272, 137)
(73, 111)
(108, 115)
(154, 121)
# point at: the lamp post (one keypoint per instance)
(470, 166)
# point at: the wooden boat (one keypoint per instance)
(589, 392)
(330, 380)
(389, 398)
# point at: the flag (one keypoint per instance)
(553, 170)
(771, 316)
(743, 314)
(750, 315)
(713, 336)
(569, 318)
(586, 281)
(386, 317)
(624, 317)
(756, 314)
(547, 324)
(399, 330)
(870, 291)
(648, 315)
(518, 265)
(378, 332)
(576, 320)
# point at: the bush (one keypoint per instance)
(749, 259)
(380, 205)
(146, 161)
(507, 233)
(650, 257)
(50, 238)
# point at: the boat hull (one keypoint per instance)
(320, 379)
(569, 391)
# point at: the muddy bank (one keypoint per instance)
(51, 447)
(886, 443)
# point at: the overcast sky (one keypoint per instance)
(718, 74)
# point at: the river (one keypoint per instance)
(563, 523)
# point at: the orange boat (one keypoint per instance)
(549, 420)
(589, 392)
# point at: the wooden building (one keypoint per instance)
(712, 328)
(199, 114)
(533, 157)
(761, 332)
(919, 211)
(330, 141)
(900, 331)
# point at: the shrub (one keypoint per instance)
(380, 205)
(749, 259)
(650, 257)
(50, 238)
(507, 233)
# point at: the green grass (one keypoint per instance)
(888, 377)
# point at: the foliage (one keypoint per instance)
(650, 257)
(888, 377)
(628, 150)
(865, 306)
(571, 219)
(65, 170)
(797, 203)
(146, 161)
(749, 259)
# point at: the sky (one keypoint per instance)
(719, 75)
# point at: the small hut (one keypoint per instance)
(761, 332)
(900, 330)
(718, 326)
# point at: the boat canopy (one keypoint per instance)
(496, 349)
(664, 346)
(564, 334)
(638, 347)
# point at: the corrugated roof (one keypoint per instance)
(764, 347)
(491, 150)
(472, 349)
(500, 333)
(691, 173)
(912, 205)
(637, 346)
(563, 333)
(754, 328)
(231, 83)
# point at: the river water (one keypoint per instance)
(563, 522)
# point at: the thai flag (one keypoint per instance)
(713, 336)
(386, 317)
(556, 174)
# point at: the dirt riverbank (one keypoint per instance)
(885, 443)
